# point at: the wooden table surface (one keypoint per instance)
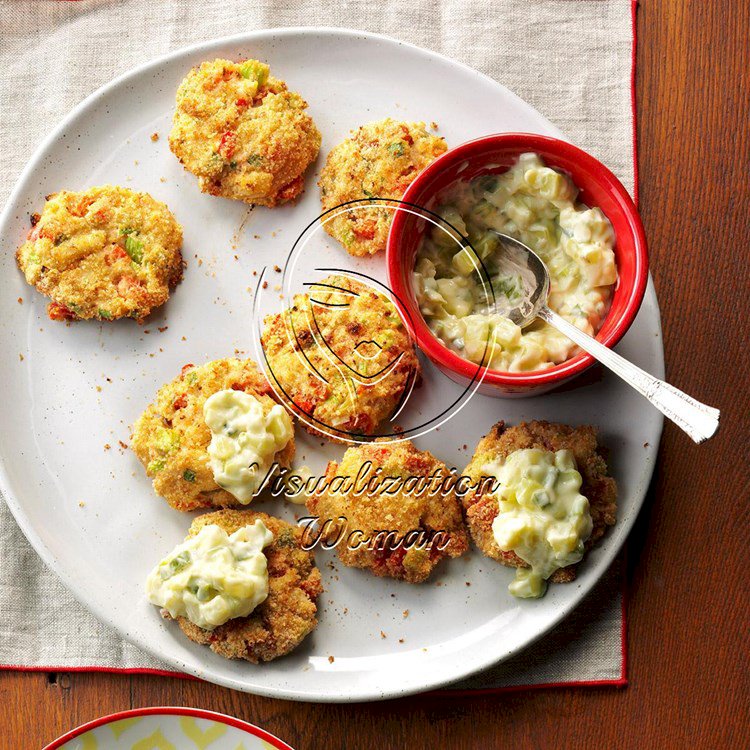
(688, 626)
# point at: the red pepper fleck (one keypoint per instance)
(365, 230)
(407, 135)
(58, 311)
(80, 208)
(115, 254)
(185, 368)
(127, 284)
(180, 402)
(228, 144)
(304, 404)
(390, 559)
(292, 190)
(242, 102)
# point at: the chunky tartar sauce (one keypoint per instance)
(542, 517)
(465, 302)
(244, 440)
(213, 577)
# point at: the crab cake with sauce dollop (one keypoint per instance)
(341, 357)
(176, 444)
(391, 509)
(103, 253)
(556, 453)
(242, 133)
(378, 160)
(284, 617)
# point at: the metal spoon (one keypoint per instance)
(696, 419)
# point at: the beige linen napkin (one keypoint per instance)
(571, 59)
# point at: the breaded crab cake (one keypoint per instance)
(280, 623)
(104, 253)
(341, 358)
(381, 160)
(171, 437)
(481, 509)
(385, 505)
(242, 134)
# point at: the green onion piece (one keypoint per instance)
(397, 148)
(206, 592)
(105, 314)
(134, 248)
(188, 475)
(347, 237)
(157, 465)
(255, 70)
(167, 440)
(175, 565)
(255, 160)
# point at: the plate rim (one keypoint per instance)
(368, 694)
(198, 713)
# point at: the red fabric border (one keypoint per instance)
(622, 681)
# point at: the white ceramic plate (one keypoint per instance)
(80, 387)
(168, 727)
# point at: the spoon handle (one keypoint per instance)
(698, 420)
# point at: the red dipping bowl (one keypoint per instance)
(495, 154)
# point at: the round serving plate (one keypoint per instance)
(71, 393)
(167, 727)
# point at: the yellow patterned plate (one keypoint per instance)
(168, 729)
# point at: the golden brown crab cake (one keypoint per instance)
(341, 358)
(395, 512)
(380, 159)
(242, 133)
(481, 508)
(280, 623)
(171, 437)
(103, 253)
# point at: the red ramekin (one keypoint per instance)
(494, 154)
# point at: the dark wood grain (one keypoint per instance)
(689, 677)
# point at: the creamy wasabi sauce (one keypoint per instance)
(543, 517)
(213, 577)
(244, 440)
(465, 302)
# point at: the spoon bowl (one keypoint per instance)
(519, 259)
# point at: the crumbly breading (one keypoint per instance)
(103, 253)
(171, 437)
(281, 622)
(342, 357)
(481, 509)
(242, 133)
(380, 159)
(404, 507)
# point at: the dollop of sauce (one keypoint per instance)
(213, 577)
(244, 440)
(543, 517)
